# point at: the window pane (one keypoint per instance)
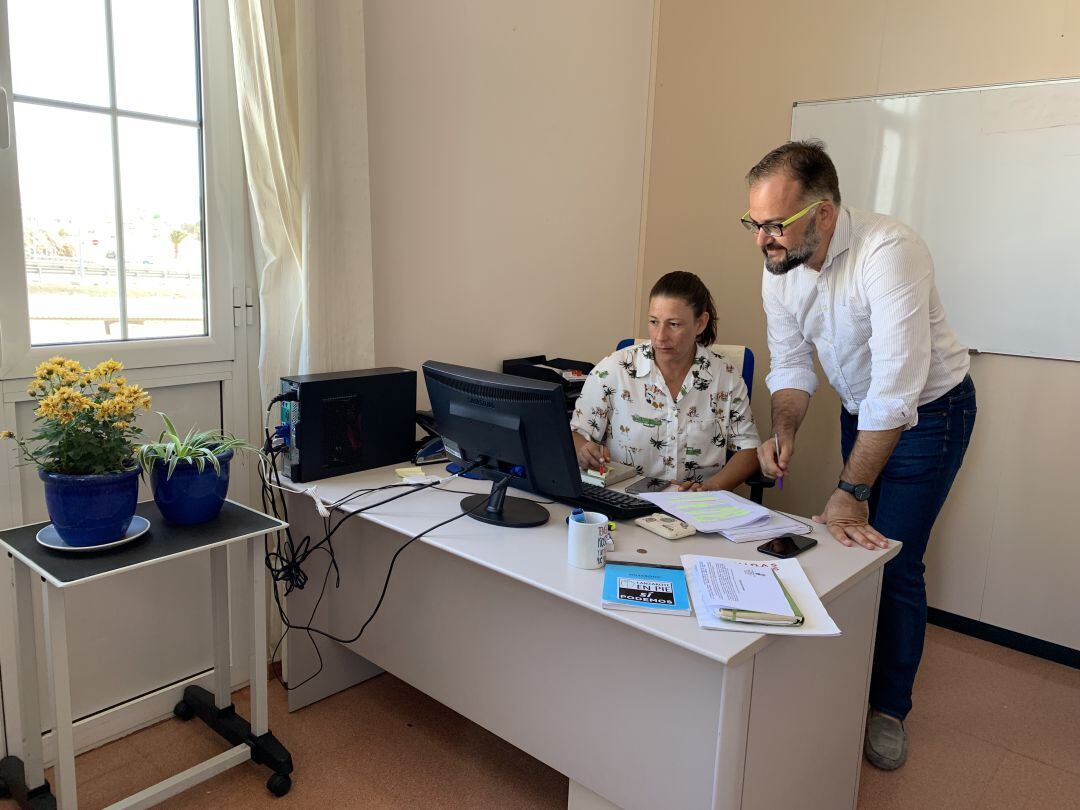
(154, 48)
(69, 234)
(58, 50)
(161, 192)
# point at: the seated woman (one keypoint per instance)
(670, 408)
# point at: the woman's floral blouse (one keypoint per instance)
(626, 405)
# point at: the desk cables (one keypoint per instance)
(287, 558)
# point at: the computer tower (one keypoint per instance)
(344, 421)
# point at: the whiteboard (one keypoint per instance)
(990, 178)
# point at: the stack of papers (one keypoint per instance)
(743, 591)
(774, 526)
(710, 511)
(736, 518)
(755, 597)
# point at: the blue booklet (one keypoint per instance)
(645, 587)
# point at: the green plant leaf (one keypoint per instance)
(170, 428)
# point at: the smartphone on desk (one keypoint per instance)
(647, 484)
(786, 545)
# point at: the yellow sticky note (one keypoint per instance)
(405, 472)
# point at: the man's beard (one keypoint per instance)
(795, 256)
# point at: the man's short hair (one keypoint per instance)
(804, 161)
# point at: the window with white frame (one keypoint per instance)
(121, 120)
(107, 119)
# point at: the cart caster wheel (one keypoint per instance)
(183, 711)
(278, 784)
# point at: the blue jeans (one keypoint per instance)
(905, 502)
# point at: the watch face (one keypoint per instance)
(861, 492)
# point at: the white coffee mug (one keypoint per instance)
(588, 540)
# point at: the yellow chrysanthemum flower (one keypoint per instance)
(6, 434)
(47, 369)
(134, 394)
(112, 409)
(66, 395)
(64, 404)
(104, 369)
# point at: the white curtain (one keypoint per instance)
(303, 116)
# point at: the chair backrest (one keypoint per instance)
(739, 356)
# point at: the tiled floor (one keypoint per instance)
(992, 728)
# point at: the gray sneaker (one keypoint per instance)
(886, 741)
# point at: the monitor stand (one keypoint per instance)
(503, 510)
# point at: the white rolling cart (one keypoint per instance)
(22, 771)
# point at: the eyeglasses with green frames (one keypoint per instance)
(775, 229)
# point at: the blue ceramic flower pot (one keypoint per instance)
(88, 510)
(188, 495)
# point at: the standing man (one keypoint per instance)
(859, 287)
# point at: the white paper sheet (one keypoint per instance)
(775, 526)
(737, 585)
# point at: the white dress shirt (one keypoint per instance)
(875, 317)
(626, 405)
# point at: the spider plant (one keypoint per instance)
(198, 448)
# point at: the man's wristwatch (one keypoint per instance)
(860, 491)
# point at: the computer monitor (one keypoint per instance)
(515, 428)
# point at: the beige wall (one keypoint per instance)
(726, 77)
(507, 146)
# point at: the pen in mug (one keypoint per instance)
(776, 445)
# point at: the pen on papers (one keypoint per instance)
(776, 446)
(602, 470)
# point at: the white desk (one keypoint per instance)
(642, 709)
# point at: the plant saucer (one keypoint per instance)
(49, 538)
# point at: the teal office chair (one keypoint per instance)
(743, 359)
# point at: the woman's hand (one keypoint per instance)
(708, 485)
(590, 455)
(738, 468)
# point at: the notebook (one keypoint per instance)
(613, 473)
(647, 588)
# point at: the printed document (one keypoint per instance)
(738, 585)
(817, 621)
(709, 511)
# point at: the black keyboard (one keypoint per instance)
(616, 505)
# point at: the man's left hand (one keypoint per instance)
(848, 521)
